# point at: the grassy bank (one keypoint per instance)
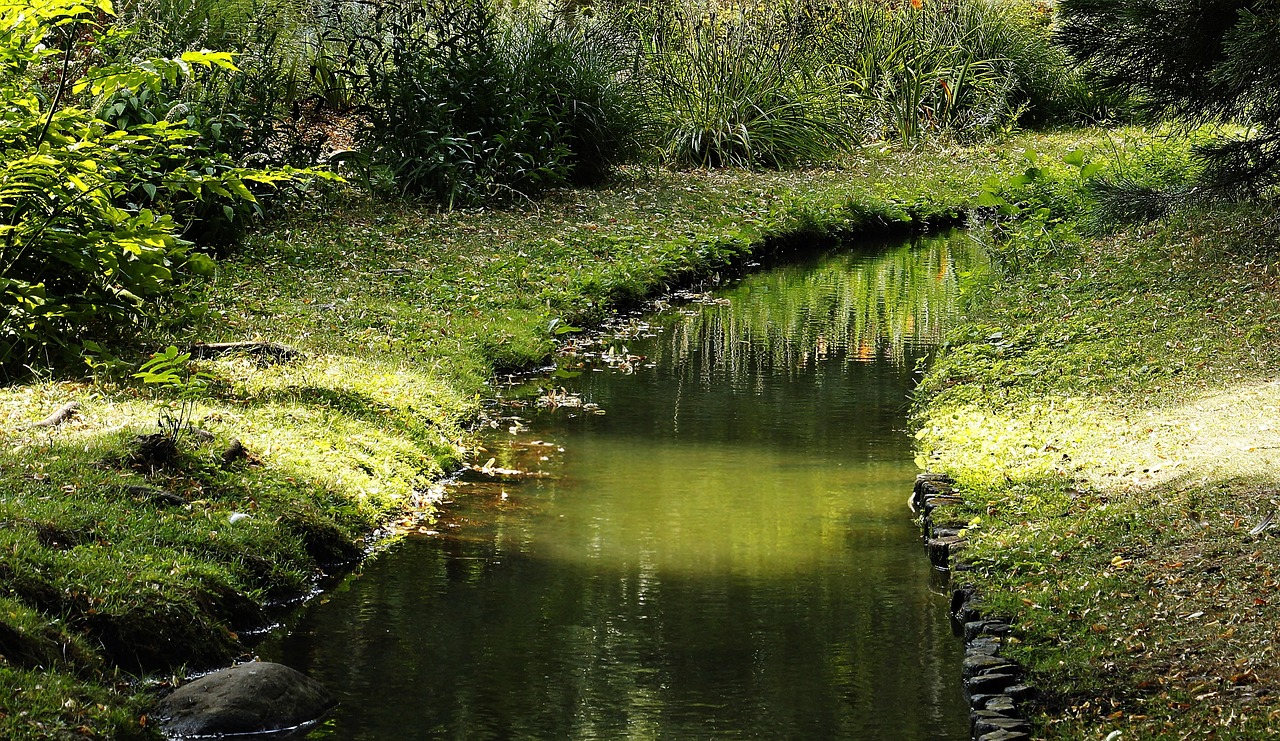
(1109, 410)
(118, 557)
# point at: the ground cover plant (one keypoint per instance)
(1108, 410)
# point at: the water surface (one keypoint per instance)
(714, 543)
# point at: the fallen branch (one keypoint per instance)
(62, 415)
(264, 351)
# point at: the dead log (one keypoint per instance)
(62, 415)
(264, 352)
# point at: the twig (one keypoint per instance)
(62, 415)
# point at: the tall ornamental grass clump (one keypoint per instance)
(740, 85)
(962, 68)
(781, 84)
(465, 100)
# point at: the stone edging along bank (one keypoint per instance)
(994, 686)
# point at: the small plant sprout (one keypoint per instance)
(172, 370)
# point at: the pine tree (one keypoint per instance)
(1202, 61)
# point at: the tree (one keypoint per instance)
(1202, 61)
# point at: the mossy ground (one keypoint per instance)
(1111, 413)
(114, 563)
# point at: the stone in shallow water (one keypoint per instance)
(257, 697)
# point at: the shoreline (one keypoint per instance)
(401, 317)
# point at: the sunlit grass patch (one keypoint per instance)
(1112, 421)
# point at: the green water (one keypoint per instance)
(724, 553)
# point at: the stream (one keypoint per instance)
(695, 529)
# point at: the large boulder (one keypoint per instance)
(257, 697)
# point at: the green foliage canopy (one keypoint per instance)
(1199, 60)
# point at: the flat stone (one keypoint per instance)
(927, 485)
(1020, 691)
(997, 628)
(984, 645)
(940, 550)
(991, 725)
(1005, 735)
(960, 595)
(979, 702)
(975, 664)
(989, 684)
(1002, 704)
(257, 697)
(988, 721)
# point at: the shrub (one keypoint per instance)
(959, 67)
(289, 60)
(79, 259)
(464, 102)
(1203, 61)
(740, 85)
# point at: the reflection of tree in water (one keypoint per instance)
(724, 554)
(850, 306)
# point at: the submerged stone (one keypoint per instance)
(253, 698)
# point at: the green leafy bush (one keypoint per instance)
(79, 257)
(290, 63)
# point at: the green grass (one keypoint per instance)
(1109, 411)
(403, 313)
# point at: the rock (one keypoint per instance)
(234, 452)
(976, 663)
(1004, 735)
(985, 645)
(1002, 704)
(257, 697)
(989, 684)
(992, 722)
(928, 485)
(940, 550)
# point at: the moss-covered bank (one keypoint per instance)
(115, 562)
(1109, 410)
